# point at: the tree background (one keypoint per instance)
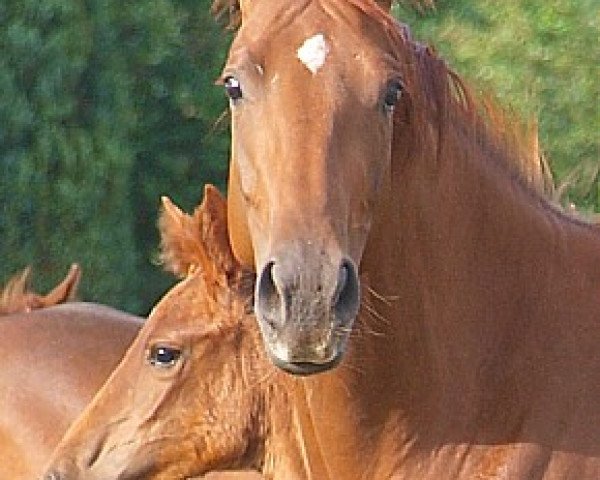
(105, 105)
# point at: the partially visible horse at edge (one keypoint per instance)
(54, 359)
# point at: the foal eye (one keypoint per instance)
(163, 356)
(392, 94)
(232, 88)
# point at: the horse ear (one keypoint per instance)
(212, 217)
(181, 247)
(14, 297)
(65, 290)
(197, 241)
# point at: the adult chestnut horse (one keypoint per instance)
(185, 399)
(197, 392)
(354, 146)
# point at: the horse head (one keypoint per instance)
(313, 87)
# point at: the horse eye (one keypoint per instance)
(163, 356)
(392, 94)
(233, 88)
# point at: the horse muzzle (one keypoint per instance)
(306, 303)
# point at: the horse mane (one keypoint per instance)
(16, 296)
(505, 137)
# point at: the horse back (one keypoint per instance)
(53, 362)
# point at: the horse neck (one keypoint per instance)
(473, 251)
(468, 277)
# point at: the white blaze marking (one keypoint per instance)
(313, 52)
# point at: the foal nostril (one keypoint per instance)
(267, 295)
(346, 297)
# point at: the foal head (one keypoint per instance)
(312, 86)
(182, 401)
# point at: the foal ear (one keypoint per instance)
(66, 290)
(181, 247)
(212, 217)
(197, 241)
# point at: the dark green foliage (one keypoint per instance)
(104, 106)
(107, 104)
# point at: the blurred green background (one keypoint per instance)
(105, 105)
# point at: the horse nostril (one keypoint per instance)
(267, 295)
(346, 297)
